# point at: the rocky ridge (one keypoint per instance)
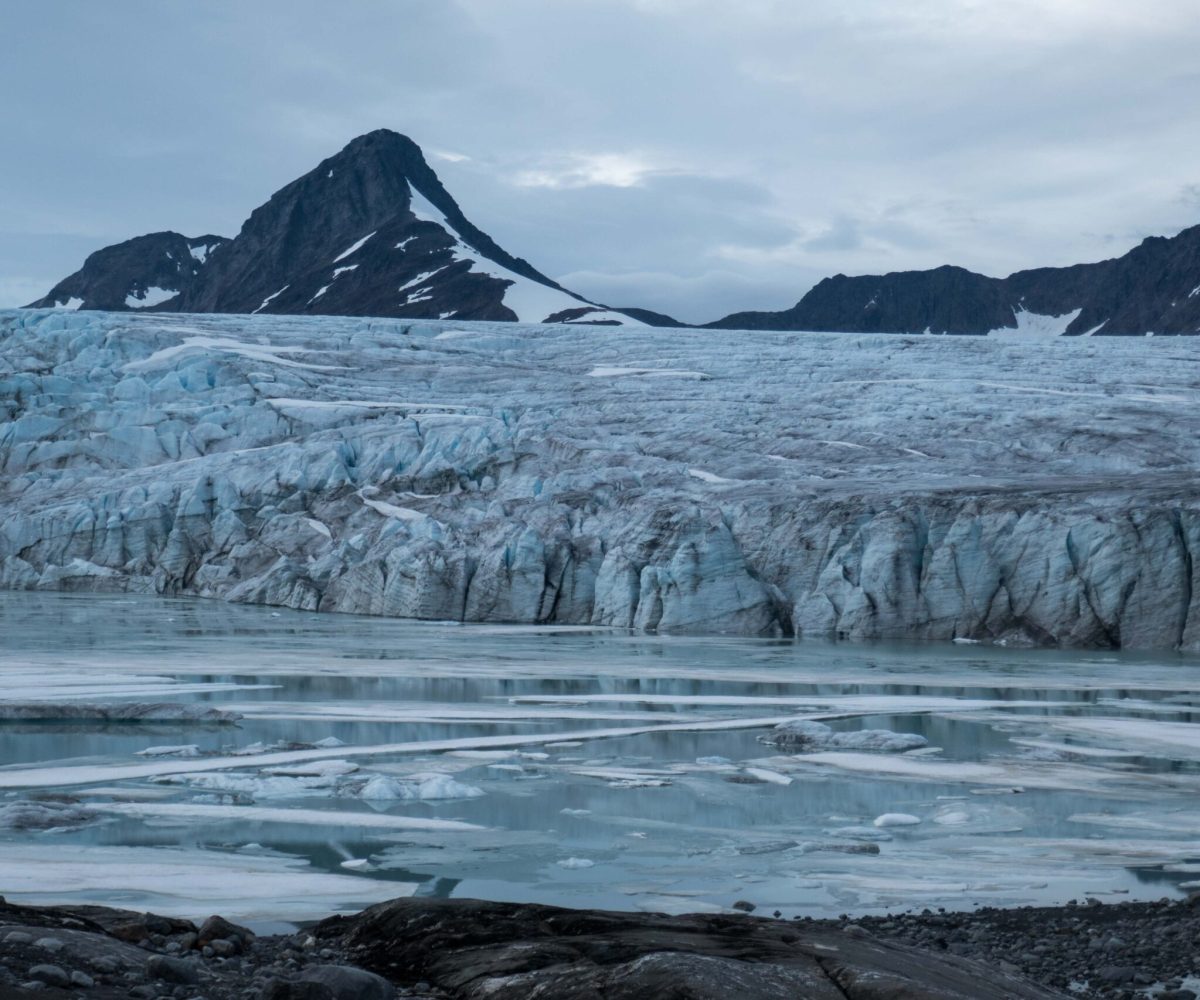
(141, 273)
(461, 949)
(1153, 289)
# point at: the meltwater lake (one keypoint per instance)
(376, 758)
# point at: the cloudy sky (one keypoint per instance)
(693, 156)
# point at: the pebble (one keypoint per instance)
(50, 944)
(51, 975)
(173, 970)
(82, 979)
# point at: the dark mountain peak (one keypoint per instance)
(384, 142)
(352, 236)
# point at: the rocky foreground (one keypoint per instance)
(469, 950)
(672, 480)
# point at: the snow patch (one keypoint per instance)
(255, 352)
(708, 477)
(609, 371)
(532, 301)
(355, 246)
(152, 296)
(1031, 324)
(267, 301)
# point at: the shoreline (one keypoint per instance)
(463, 949)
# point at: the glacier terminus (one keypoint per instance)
(755, 483)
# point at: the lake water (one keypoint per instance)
(575, 766)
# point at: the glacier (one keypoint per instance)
(753, 483)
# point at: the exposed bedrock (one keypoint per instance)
(505, 474)
(474, 949)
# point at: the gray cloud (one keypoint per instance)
(653, 152)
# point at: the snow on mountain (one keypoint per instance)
(658, 479)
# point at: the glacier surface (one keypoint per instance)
(678, 480)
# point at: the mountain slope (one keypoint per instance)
(138, 274)
(1155, 288)
(370, 231)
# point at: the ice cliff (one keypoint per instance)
(751, 483)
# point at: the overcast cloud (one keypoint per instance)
(693, 156)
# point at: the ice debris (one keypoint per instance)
(43, 814)
(420, 787)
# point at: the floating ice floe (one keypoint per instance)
(576, 863)
(187, 750)
(808, 734)
(896, 819)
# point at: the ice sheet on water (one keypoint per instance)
(1002, 776)
(86, 774)
(188, 812)
(314, 769)
(1171, 822)
(182, 882)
